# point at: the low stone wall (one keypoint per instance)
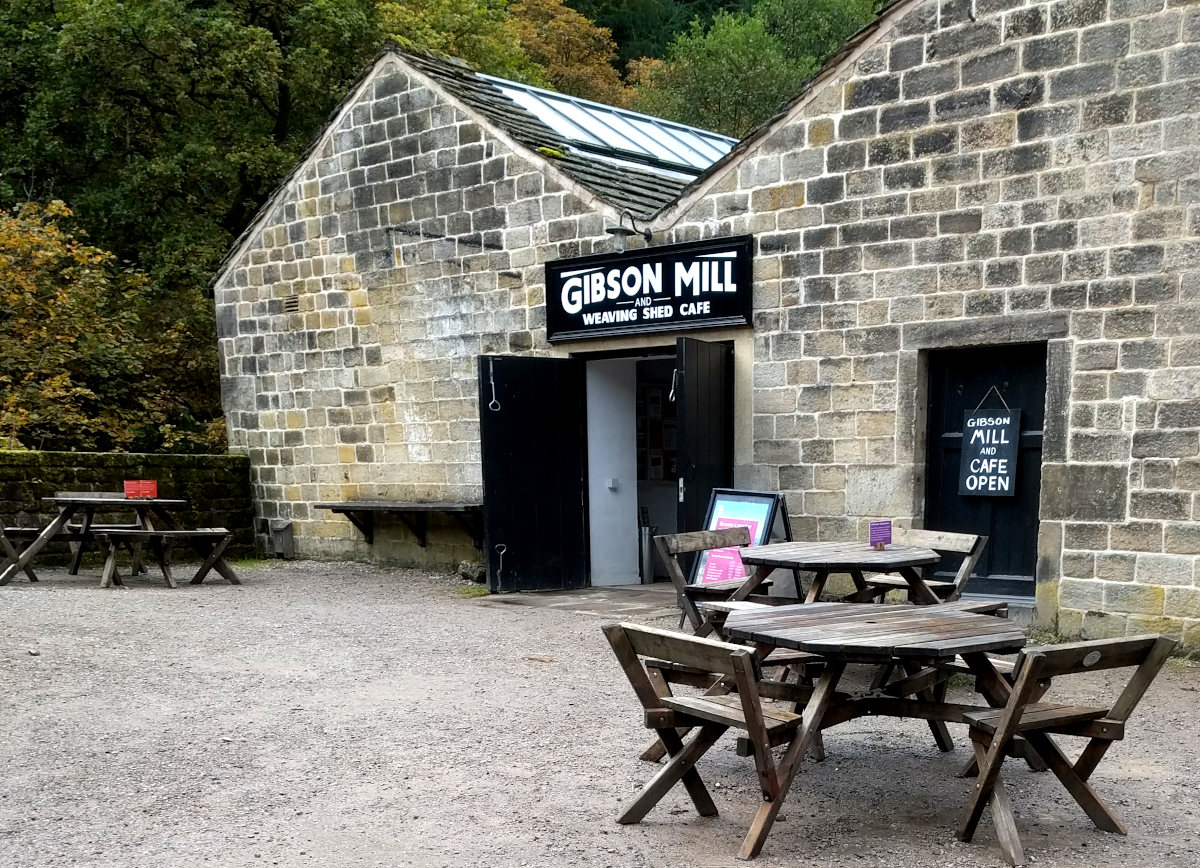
(216, 487)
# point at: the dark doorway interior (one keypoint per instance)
(959, 380)
(657, 445)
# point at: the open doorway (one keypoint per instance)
(659, 435)
(631, 461)
(566, 481)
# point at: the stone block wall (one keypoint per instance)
(350, 326)
(974, 173)
(991, 172)
(217, 487)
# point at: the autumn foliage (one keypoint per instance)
(166, 124)
(74, 374)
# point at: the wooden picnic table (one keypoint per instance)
(918, 640)
(854, 558)
(152, 514)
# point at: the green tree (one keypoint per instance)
(812, 30)
(646, 28)
(735, 74)
(166, 124)
(574, 53)
(728, 78)
(481, 32)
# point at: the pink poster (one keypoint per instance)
(722, 564)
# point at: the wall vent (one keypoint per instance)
(291, 304)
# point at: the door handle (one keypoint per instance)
(675, 372)
(681, 489)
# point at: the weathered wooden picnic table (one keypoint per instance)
(922, 641)
(853, 558)
(155, 523)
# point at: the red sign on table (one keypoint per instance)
(141, 488)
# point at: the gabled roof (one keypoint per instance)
(587, 147)
(643, 182)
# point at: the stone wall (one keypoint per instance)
(350, 326)
(973, 173)
(984, 173)
(217, 487)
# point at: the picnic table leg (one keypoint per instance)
(682, 765)
(163, 553)
(214, 561)
(144, 520)
(996, 690)
(88, 514)
(814, 712)
(11, 555)
(941, 734)
(656, 750)
(36, 546)
(165, 517)
(751, 584)
(110, 574)
(815, 589)
(919, 589)
(1003, 820)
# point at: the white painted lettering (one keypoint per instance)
(687, 275)
(652, 277)
(614, 284)
(572, 295)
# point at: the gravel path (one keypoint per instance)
(342, 715)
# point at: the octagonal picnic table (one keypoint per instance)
(854, 558)
(923, 640)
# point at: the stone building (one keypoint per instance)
(976, 206)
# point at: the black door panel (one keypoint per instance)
(532, 433)
(703, 394)
(958, 381)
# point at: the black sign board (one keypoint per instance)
(701, 284)
(988, 467)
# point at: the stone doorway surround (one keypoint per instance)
(1056, 500)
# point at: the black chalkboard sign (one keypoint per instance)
(988, 466)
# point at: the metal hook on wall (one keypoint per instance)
(494, 406)
(501, 548)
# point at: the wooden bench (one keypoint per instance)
(414, 514)
(209, 542)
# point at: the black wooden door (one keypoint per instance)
(703, 393)
(959, 380)
(531, 428)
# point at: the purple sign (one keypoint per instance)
(881, 532)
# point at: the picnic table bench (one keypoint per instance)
(414, 514)
(209, 542)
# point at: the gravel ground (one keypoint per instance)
(343, 715)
